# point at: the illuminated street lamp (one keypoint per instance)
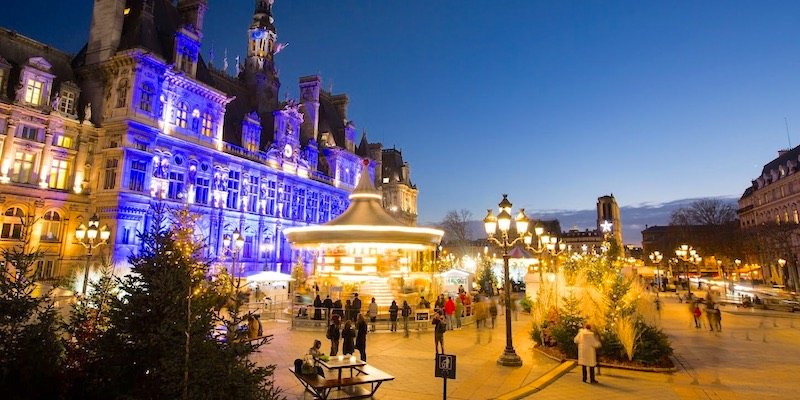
(781, 263)
(87, 237)
(738, 263)
(542, 240)
(688, 255)
(503, 222)
(656, 258)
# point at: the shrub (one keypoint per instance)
(526, 304)
(653, 347)
(566, 327)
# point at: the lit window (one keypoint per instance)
(13, 222)
(59, 170)
(45, 269)
(62, 141)
(181, 114)
(252, 202)
(67, 103)
(33, 92)
(110, 180)
(208, 128)
(51, 226)
(23, 166)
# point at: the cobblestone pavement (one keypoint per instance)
(756, 356)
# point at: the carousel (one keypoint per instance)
(366, 250)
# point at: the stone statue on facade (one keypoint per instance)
(54, 103)
(87, 114)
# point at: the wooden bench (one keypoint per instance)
(348, 388)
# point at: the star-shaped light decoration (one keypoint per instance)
(606, 226)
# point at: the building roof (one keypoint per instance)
(17, 49)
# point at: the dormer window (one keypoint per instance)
(33, 91)
(66, 104)
(208, 127)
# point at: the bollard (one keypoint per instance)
(764, 339)
(747, 336)
(774, 323)
(761, 324)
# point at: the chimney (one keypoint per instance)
(309, 97)
(105, 31)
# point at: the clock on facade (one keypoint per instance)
(257, 34)
(287, 150)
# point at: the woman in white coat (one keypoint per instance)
(587, 351)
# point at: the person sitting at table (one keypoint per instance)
(316, 352)
(348, 338)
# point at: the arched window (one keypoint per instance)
(146, 98)
(51, 226)
(122, 93)
(181, 114)
(13, 222)
(208, 127)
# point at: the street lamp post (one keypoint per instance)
(688, 255)
(503, 222)
(87, 237)
(781, 264)
(738, 263)
(656, 258)
(238, 244)
(542, 240)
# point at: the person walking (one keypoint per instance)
(696, 313)
(449, 310)
(393, 316)
(440, 326)
(587, 351)
(459, 312)
(710, 315)
(493, 311)
(333, 334)
(717, 318)
(361, 337)
(405, 313)
(348, 310)
(348, 338)
(372, 311)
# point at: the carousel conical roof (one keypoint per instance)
(365, 221)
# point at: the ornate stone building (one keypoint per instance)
(137, 117)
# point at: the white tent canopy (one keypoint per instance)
(269, 276)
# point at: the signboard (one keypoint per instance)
(446, 366)
(422, 315)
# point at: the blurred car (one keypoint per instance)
(780, 304)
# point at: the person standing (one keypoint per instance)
(406, 312)
(333, 334)
(716, 318)
(361, 337)
(348, 310)
(356, 306)
(393, 316)
(337, 308)
(317, 308)
(459, 312)
(328, 305)
(439, 327)
(587, 351)
(348, 338)
(493, 311)
(372, 311)
(449, 310)
(696, 313)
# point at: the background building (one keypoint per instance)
(138, 116)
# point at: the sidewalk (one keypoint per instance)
(411, 361)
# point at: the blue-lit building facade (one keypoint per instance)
(138, 116)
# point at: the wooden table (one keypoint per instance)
(334, 364)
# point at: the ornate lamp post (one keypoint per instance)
(503, 222)
(781, 264)
(688, 255)
(87, 237)
(738, 263)
(656, 258)
(238, 244)
(266, 249)
(542, 240)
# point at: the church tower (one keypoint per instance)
(608, 210)
(259, 69)
(189, 35)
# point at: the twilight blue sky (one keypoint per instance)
(553, 102)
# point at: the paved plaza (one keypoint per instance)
(756, 356)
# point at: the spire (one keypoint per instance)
(262, 17)
(365, 188)
(363, 146)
